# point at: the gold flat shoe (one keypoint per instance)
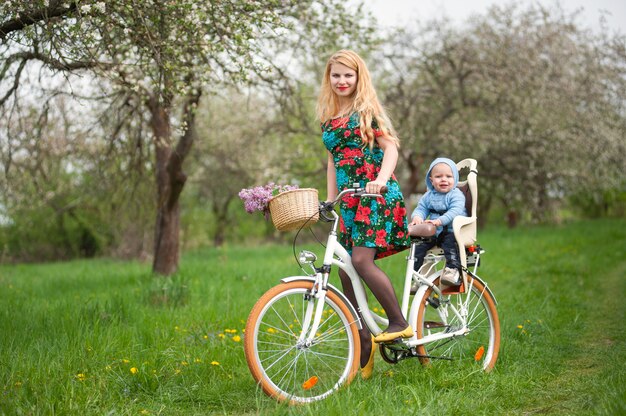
(390, 336)
(368, 370)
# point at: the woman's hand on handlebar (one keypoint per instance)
(376, 187)
(357, 191)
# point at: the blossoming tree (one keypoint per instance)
(159, 54)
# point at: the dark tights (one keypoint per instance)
(380, 285)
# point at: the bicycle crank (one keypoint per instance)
(396, 351)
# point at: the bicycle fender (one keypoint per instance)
(487, 288)
(332, 289)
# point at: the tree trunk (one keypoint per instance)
(221, 221)
(511, 218)
(416, 170)
(220, 235)
(167, 236)
(170, 180)
(167, 226)
(483, 210)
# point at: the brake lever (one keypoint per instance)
(325, 208)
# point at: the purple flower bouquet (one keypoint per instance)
(257, 198)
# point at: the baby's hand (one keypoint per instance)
(436, 223)
(416, 221)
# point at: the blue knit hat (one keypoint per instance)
(448, 162)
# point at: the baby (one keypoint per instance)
(440, 204)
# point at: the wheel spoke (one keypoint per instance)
(283, 364)
(473, 310)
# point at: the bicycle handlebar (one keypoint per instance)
(356, 191)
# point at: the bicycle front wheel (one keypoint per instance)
(475, 311)
(286, 368)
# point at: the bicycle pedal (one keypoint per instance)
(396, 345)
(434, 324)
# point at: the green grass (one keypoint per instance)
(105, 337)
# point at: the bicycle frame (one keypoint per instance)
(336, 255)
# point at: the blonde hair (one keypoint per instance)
(365, 100)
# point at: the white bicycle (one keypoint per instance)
(301, 339)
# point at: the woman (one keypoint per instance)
(363, 147)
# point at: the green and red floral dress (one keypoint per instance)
(379, 223)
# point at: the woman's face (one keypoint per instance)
(343, 80)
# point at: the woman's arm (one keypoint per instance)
(331, 179)
(390, 158)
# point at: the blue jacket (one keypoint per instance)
(444, 206)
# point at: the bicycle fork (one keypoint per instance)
(313, 314)
(317, 297)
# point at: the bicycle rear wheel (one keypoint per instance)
(444, 314)
(284, 367)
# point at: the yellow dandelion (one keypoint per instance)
(236, 338)
(133, 370)
(520, 326)
(197, 360)
(177, 371)
(184, 363)
(214, 363)
(388, 373)
(81, 376)
(271, 330)
(221, 336)
(205, 337)
(107, 368)
(125, 361)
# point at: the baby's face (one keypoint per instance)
(442, 178)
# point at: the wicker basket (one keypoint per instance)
(293, 209)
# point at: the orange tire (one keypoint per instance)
(479, 345)
(281, 364)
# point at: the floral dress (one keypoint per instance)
(379, 223)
